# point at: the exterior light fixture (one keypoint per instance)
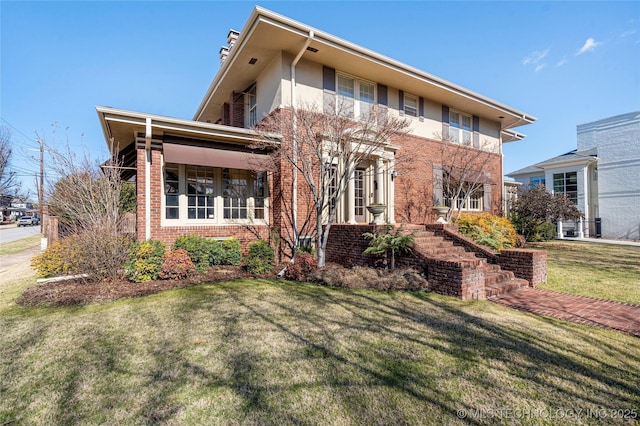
(394, 174)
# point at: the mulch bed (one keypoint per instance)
(79, 292)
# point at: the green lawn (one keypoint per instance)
(262, 352)
(605, 271)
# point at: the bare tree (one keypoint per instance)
(8, 179)
(87, 199)
(463, 174)
(324, 147)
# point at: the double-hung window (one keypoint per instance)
(460, 128)
(355, 97)
(566, 183)
(410, 105)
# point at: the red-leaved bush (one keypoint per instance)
(303, 264)
(177, 265)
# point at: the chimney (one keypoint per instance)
(224, 52)
(232, 37)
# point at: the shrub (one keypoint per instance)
(145, 261)
(198, 249)
(230, 252)
(303, 264)
(205, 252)
(260, 258)
(98, 255)
(177, 265)
(545, 231)
(493, 231)
(60, 258)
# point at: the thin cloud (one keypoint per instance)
(540, 67)
(535, 57)
(562, 61)
(589, 45)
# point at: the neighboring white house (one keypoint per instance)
(602, 176)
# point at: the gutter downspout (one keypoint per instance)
(294, 157)
(147, 179)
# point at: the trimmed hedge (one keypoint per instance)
(205, 252)
(145, 261)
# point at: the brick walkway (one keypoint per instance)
(619, 316)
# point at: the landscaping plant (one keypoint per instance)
(177, 265)
(389, 244)
(493, 231)
(260, 258)
(145, 261)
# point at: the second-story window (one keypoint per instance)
(252, 110)
(410, 105)
(355, 97)
(460, 128)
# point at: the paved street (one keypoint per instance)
(12, 232)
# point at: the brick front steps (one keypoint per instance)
(453, 264)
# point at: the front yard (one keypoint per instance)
(263, 352)
(605, 271)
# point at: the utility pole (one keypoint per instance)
(41, 186)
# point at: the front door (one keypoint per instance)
(359, 189)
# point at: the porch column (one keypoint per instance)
(351, 200)
(380, 181)
(391, 191)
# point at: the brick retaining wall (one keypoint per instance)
(530, 265)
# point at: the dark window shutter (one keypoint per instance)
(421, 108)
(445, 122)
(401, 101)
(382, 94)
(476, 131)
(329, 79)
(329, 89)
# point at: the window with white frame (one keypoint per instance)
(474, 202)
(355, 96)
(460, 130)
(252, 107)
(172, 192)
(213, 195)
(200, 192)
(410, 105)
(566, 183)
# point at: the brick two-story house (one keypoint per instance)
(202, 176)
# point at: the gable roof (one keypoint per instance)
(267, 33)
(572, 157)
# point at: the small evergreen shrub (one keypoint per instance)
(205, 252)
(177, 265)
(198, 249)
(545, 231)
(60, 258)
(493, 231)
(231, 252)
(260, 258)
(303, 264)
(145, 260)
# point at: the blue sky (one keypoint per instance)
(566, 63)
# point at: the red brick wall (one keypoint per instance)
(414, 184)
(530, 265)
